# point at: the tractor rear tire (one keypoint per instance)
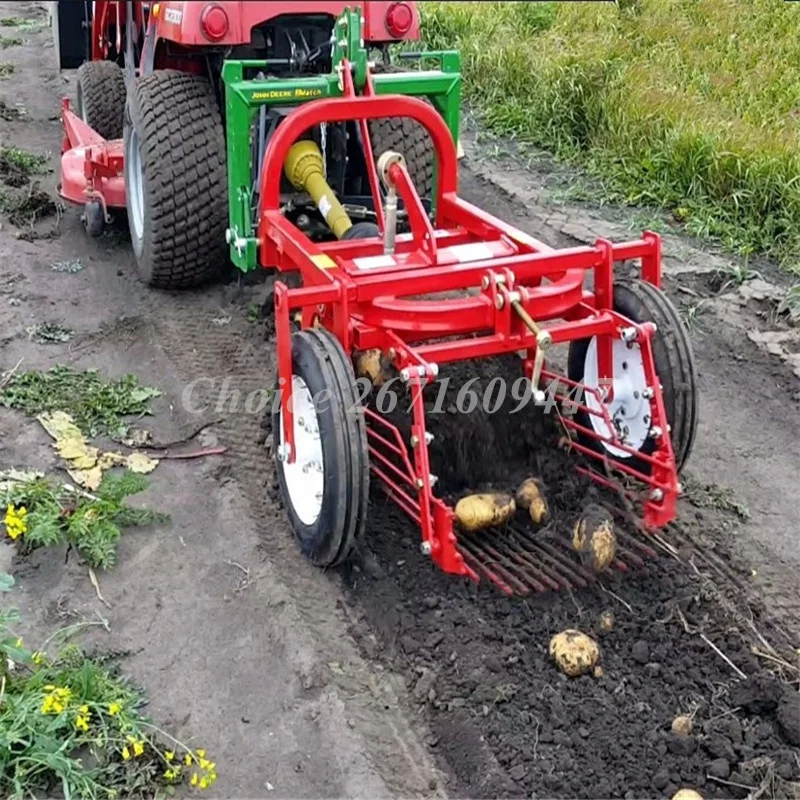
(407, 137)
(101, 97)
(640, 301)
(176, 180)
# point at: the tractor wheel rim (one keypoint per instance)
(305, 478)
(629, 410)
(133, 161)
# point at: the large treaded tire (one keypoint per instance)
(101, 97)
(174, 123)
(640, 301)
(410, 139)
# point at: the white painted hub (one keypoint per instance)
(305, 478)
(629, 409)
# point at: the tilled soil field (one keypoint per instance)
(395, 680)
(505, 720)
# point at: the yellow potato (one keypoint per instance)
(574, 652)
(371, 364)
(682, 725)
(687, 794)
(593, 538)
(478, 511)
(530, 496)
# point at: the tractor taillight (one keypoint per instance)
(399, 19)
(214, 22)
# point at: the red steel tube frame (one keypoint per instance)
(368, 308)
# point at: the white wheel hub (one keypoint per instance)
(305, 477)
(629, 409)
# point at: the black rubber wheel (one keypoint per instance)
(327, 533)
(175, 180)
(101, 97)
(407, 137)
(640, 301)
(362, 230)
(94, 219)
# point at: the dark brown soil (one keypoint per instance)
(505, 721)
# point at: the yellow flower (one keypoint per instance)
(57, 699)
(126, 754)
(204, 762)
(18, 643)
(81, 724)
(114, 709)
(200, 753)
(194, 779)
(204, 783)
(15, 521)
(187, 760)
(138, 748)
(171, 774)
(169, 755)
(37, 658)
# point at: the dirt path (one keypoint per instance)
(395, 680)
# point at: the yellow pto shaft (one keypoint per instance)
(304, 169)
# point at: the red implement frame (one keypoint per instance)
(363, 296)
(91, 167)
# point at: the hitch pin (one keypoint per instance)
(543, 342)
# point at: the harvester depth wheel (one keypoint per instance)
(175, 179)
(101, 97)
(406, 136)
(326, 489)
(640, 301)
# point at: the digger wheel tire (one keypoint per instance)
(326, 490)
(175, 180)
(408, 137)
(640, 301)
(101, 97)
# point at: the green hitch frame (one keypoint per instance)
(244, 97)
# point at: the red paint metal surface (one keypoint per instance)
(371, 300)
(181, 22)
(91, 167)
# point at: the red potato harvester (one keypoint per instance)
(343, 170)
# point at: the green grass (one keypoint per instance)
(71, 726)
(690, 105)
(98, 406)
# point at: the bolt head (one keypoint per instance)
(428, 437)
(657, 495)
(404, 375)
(425, 548)
(499, 302)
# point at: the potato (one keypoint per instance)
(371, 364)
(607, 621)
(530, 496)
(574, 652)
(687, 794)
(477, 511)
(682, 725)
(593, 538)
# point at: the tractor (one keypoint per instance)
(293, 137)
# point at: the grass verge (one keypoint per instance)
(71, 726)
(691, 106)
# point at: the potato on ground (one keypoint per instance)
(478, 511)
(574, 652)
(530, 496)
(593, 538)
